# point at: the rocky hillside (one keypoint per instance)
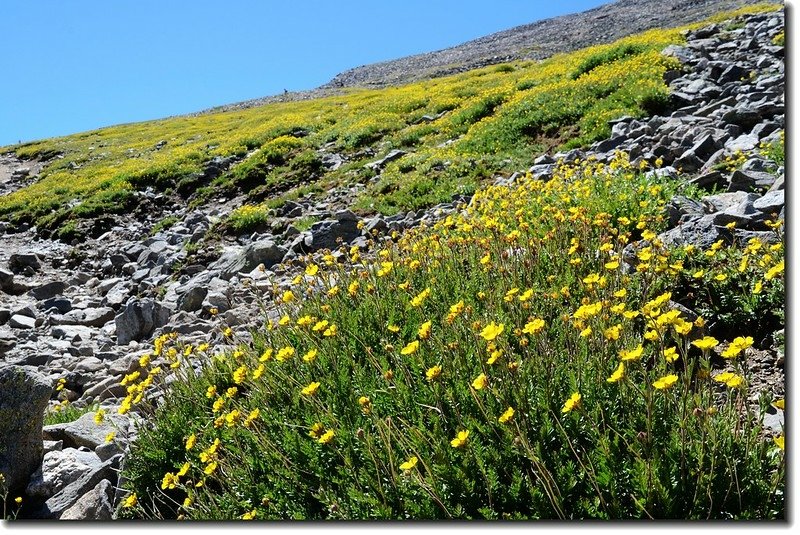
(538, 40)
(203, 249)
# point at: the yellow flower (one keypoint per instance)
(311, 389)
(614, 264)
(671, 354)
(633, 354)
(433, 372)
(327, 437)
(99, 416)
(613, 332)
(393, 328)
(18, 500)
(780, 404)
(284, 353)
(665, 382)
(480, 382)
(240, 375)
(265, 356)
(170, 481)
(506, 416)
(621, 293)
(425, 330)
(738, 345)
(366, 404)
(780, 442)
(496, 354)
(316, 430)
(312, 270)
(254, 414)
(533, 326)
(218, 404)
(333, 330)
(485, 259)
(730, 379)
(191, 441)
(310, 356)
(110, 436)
(492, 331)
(288, 296)
(210, 468)
(618, 374)
(352, 289)
(461, 439)
(409, 464)
(411, 348)
(130, 501)
(250, 515)
(184, 469)
(573, 402)
(586, 332)
(706, 343)
(420, 298)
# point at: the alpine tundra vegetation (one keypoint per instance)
(533, 290)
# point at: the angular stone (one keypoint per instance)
(89, 317)
(85, 431)
(771, 202)
(23, 398)
(139, 319)
(750, 181)
(20, 262)
(192, 298)
(248, 258)
(46, 291)
(94, 505)
(59, 469)
(69, 495)
(19, 321)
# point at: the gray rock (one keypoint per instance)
(8, 340)
(139, 319)
(744, 143)
(24, 262)
(105, 389)
(682, 208)
(94, 505)
(330, 234)
(6, 280)
(750, 181)
(191, 298)
(85, 431)
(89, 317)
(48, 290)
(18, 321)
(700, 232)
(771, 202)
(392, 155)
(69, 495)
(4, 315)
(23, 398)
(59, 469)
(61, 304)
(248, 258)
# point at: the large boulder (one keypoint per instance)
(248, 258)
(23, 398)
(139, 319)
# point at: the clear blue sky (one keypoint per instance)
(71, 66)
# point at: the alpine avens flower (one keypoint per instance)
(706, 343)
(480, 382)
(618, 374)
(738, 345)
(311, 389)
(461, 439)
(665, 382)
(492, 331)
(409, 464)
(571, 403)
(411, 348)
(506, 416)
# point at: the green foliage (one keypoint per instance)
(378, 436)
(66, 412)
(607, 55)
(164, 224)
